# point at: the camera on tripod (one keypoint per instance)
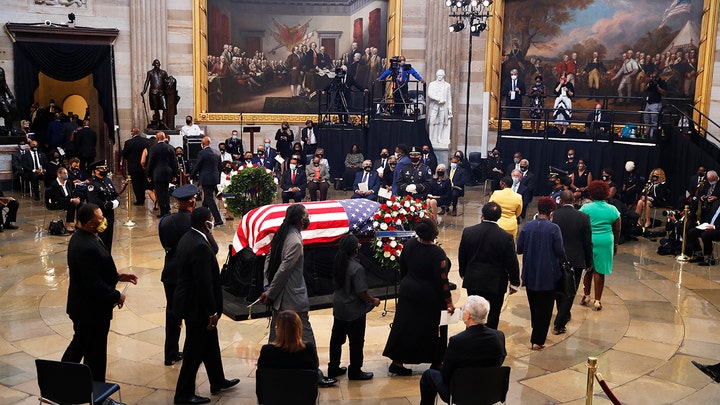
(668, 213)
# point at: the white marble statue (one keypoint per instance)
(439, 97)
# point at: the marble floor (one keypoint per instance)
(658, 315)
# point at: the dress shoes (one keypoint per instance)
(110, 401)
(139, 203)
(227, 218)
(360, 375)
(454, 212)
(441, 211)
(327, 382)
(708, 262)
(218, 223)
(214, 389)
(559, 330)
(177, 358)
(8, 225)
(708, 370)
(399, 370)
(192, 400)
(697, 259)
(536, 346)
(336, 371)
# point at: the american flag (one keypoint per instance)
(329, 221)
(677, 7)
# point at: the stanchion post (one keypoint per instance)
(129, 223)
(592, 368)
(683, 257)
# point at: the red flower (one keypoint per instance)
(386, 248)
(424, 206)
(383, 207)
(387, 220)
(377, 215)
(391, 228)
(392, 198)
(416, 219)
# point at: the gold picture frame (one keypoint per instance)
(200, 70)
(706, 58)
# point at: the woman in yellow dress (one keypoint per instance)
(511, 204)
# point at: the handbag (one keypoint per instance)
(566, 284)
(57, 227)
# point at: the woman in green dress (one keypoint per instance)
(605, 225)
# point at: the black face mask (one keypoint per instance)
(384, 155)
(188, 122)
(523, 168)
(102, 173)
(367, 168)
(227, 170)
(222, 150)
(415, 159)
(552, 184)
(426, 151)
(440, 173)
(319, 155)
(392, 165)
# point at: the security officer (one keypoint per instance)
(415, 178)
(170, 229)
(102, 192)
(234, 146)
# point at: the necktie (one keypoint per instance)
(383, 164)
(35, 159)
(293, 177)
(452, 174)
(365, 178)
(514, 188)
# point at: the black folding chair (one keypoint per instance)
(64, 383)
(479, 385)
(274, 386)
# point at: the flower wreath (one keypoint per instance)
(397, 214)
(252, 187)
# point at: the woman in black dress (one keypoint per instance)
(581, 177)
(284, 137)
(288, 349)
(416, 335)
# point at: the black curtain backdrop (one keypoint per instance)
(337, 140)
(63, 62)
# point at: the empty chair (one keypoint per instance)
(275, 386)
(479, 385)
(70, 383)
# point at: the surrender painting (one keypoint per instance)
(592, 40)
(277, 56)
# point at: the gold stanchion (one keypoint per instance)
(592, 369)
(129, 223)
(683, 257)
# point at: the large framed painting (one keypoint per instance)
(594, 38)
(265, 61)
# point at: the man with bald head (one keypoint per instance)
(207, 170)
(132, 155)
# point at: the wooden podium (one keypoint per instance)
(251, 131)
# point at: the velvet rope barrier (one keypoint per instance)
(607, 390)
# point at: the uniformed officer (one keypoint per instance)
(102, 192)
(235, 147)
(170, 229)
(415, 178)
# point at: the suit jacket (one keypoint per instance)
(170, 230)
(507, 87)
(430, 161)
(305, 137)
(487, 258)
(373, 181)
(16, 161)
(310, 172)
(93, 277)
(528, 180)
(198, 294)
(287, 289)
(27, 161)
(476, 346)
(576, 234)
(300, 180)
(603, 124)
(270, 154)
(206, 168)
(132, 153)
(267, 163)
(86, 141)
(512, 205)
(162, 163)
(459, 179)
(377, 163)
(56, 198)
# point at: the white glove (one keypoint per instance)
(411, 188)
(115, 203)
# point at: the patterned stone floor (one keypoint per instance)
(658, 315)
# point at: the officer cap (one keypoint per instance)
(185, 193)
(99, 165)
(553, 175)
(415, 151)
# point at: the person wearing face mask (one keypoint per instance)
(632, 184)
(207, 170)
(190, 129)
(581, 177)
(162, 169)
(248, 159)
(571, 163)
(380, 164)
(527, 180)
(270, 152)
(198, 299)
(515, 164)
(458, 177)
(61, 197)
(497, 168)
(284, 138)
(92, 292)
(234, 146)
(309, 137)
(514, 90)
(17, 157)
(86, 139)
(260, 158)
(53, 164)
(401, 154)
(318, 176)
(226, 175)
(284, 282)
(655, 195)
(518, 187)
(388, 176)
(414, 179)
(440, 191)
(33, 164)
(607, 176)
(537, 104)
(428, 158)
(353, 164)
(371, 181)
(294, 183)
(562, 108)
(225, 156)
(511, 204)
(101, 192)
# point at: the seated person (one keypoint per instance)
(261, 158)
(477, 346)
(78, 179)
(12, 206)
(371, 179)
(320, 152)
(288, 351)
(708, 235)
(33, 164)
(597, 122)
(458, 178)
(440, 191)
(62, 197)
(353, 164)
(299, 154)
(247, 159)
(226, 175)
(655, 194)
(51, 168)
(318, 176)
(294, 182)
(388, 176)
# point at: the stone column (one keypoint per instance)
(148, 41)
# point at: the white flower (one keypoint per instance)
(383, 226)
(388, 216)
(240, 168)
(422, 214)
(392, 238)
(394, 214)
(403, 211)
(376, 224)
(393, 244)
(275, 180)
(392, 258)
(407, 204)
(379, 243)
(412, 209)
(387, 254)
(398, 222)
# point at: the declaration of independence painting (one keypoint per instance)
(276, 56)
(599, 42)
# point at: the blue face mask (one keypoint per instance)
(516, 180)
(267, 145)
(712, 183)
(453, 165)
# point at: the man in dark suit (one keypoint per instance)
(132, 154)
(207, 170)
(370, 178)
(487, 261)
(527, 179)
(61, 197)
(577, 239)
(198, 300)
(428, 158)
(91, 293)
(708, 196)
(162, 168)
(86, 143)
(708, 234)
(294, 183)
(33, 165)
(517, 187)
(260, 158)
(458, 178)
(515, 164)
(477, 346)
(309, 137)
(597, 123)
(102, 192)
(514, 90)
(382, 162)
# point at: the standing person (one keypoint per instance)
(101, 192)
(285, 287)
(91, 293)
(577, 241)
(541, 245)
(162, 168)
(537, 104)
(605, 225)
(170, 229)
(198, 300)
(86, 143)
(511, 204)
(207, 170)
(351, 302)
(415, 178)
(132, 154)
(562, 113)
(416, 335)
(488, 263)
(234, 146)
(284, 138)
(309, 137)
(655, 88)
(514, 90)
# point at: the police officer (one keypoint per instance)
(415, 178)
(102, 192)
(234, 146)
(170, 229)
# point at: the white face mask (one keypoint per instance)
(292, 167)
(513, 77)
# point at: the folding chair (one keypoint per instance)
(71, 383)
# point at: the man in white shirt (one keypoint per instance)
(190, 128)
